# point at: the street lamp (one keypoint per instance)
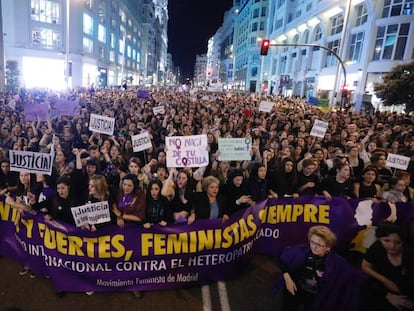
(67, 45)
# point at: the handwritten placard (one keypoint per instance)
(266, 106)
(398, 161)
(141, 142)
(234, 149)
(33, 162)
(101, 124)
(91, 213)
(187, 151)
(158, 110)
(319, 128)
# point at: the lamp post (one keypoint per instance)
(322, 47)
(67, 45)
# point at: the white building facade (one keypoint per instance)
(84, 42)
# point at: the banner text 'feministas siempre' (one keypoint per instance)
(135, 258)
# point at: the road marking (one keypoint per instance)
(205, 294)
(224, 299)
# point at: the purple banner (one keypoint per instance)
(135, 258)
(33, 112)
(143, 94)
(66, 107)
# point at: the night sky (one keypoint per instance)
(191, 24)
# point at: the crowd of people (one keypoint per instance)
(141, 189)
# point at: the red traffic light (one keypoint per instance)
(265, 47)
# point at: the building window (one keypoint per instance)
(397, 7)
(309, 7)
(87, 45)
(46, 38)
(46, 11)
(279, 23)
(101, 33)
(87, 24)
(264, 11)
(362, 14)
(101, 52)
(129, 51)
(113, 40)
(391, 42)
(331, 59)
(337, 24)
(255, 13)
(306, 36)
(262, 25)
(318, 33)
(254, 27)
(298, 13)
(355, 48)
(122, 16)
(101, 12)
(112, 56)
(121, 46)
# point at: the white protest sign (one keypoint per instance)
(91, 213)
(141, 142)
(266, 106)
(101, 124)
(319, 128)
(158, 110)
(33, 162)
(187, 151)
(234, 149)
(398, 161)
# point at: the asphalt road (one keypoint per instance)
(251, 290)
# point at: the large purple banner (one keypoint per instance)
(135, 258)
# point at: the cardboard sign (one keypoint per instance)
(141, 142)
(319, 128)
(33, 162)
(187, 151)
(234, 149)
(398, 161)
(158, 110)
(91, 213)
(101, 124)
(266, 106)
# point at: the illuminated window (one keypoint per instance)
(46, 38)
(129, 51)
(101, 33)
(87, 45)
(121, 46)
(87, 24)
(112, 56)
(113, 40)
(391, 42)
(46, 11)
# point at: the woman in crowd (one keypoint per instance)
(257, 186)
(315, 278)
(131, 202)
(339, 185)
(134, 167)
(45, 192)
(396, 193)
(158, 209)
(235, 192)
(179, 188)
(389, 263)
(367, 186)
(308, 181)
(209, 204)
(284, 180)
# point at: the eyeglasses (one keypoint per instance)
(313, 243)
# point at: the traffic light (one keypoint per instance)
(265, 47)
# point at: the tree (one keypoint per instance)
(12, 76)
(397, 87)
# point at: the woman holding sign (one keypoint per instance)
(131, 202)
